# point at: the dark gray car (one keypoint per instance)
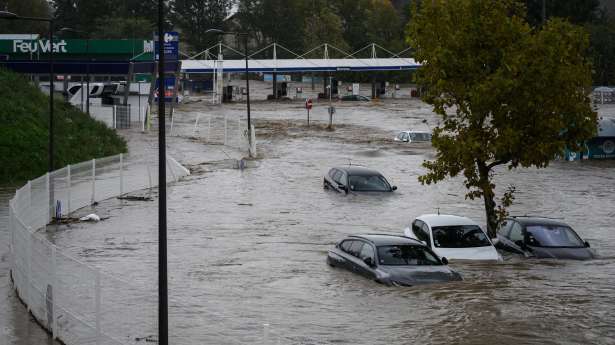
(390, 259)
(542, 238)
(356, 179)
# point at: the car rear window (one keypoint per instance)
(368, 183)
(406, 255)
(552, 236)
(459, 236)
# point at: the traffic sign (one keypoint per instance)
(308, 104)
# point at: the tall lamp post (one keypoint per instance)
(245, 47)
(87, 53)
(163, 292)
(12, 16)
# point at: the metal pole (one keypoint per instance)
(245, 46)
(87, 53)
(51, 86)
(163, 336)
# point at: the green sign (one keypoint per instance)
(129, 48)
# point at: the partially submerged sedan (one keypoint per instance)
(542, 238)
(453, 236)
(391, 260)
(413, 136)
(356, 179)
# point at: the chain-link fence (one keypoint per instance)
(73, 300)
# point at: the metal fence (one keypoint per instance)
(120, 116)
(228, 130)
(73, 300)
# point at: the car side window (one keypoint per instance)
(355, 249)
(516, 232)
(505, 228)
(420, 230)
(367, 252)
(343, 179)
(405, 137)
(346, 246)
(427, 234)
(337, 176)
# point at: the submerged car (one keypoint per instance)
(390, 259)
(413, 136)
(542, 238)
(356, 179)
(355, 98)
(457, 238)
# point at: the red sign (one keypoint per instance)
(308, 104)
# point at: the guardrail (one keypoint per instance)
(73, 300)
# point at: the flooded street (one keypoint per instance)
(247, 248)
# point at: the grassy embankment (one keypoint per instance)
(24, 120)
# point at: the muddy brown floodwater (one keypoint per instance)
(247, 248)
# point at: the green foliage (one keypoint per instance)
(24, 132)
(194, 17)
(603, 51)
(506, 93)
(30, 8)
(576, 11)
(322, 26)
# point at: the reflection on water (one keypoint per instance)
(247, 252)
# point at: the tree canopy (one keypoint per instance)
(507, 93)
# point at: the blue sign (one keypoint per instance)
(170, 46)
(169, 87)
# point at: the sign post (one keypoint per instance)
(308, 106)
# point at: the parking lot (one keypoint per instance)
(247, 248)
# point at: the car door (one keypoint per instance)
(367, 251)
(513, 241)
(346, 257)
(354, 263)
(337, 176)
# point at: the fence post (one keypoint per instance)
(55, 295)
(114, 119)
(93, 181)
(29, 273)
(225, 123)
(98, 312)
(29, 194)
(149, 176)
(252, 141)
(49, 199)
(121, 174)
(69, 183)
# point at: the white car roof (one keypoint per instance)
(445, 220)
(426, 132)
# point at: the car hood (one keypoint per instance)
(563, 253)
(414, 275)
(472, 253)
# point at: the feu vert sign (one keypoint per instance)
(33, 46)
(112, 49)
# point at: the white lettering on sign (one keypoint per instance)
(148, 46)
(19, 46)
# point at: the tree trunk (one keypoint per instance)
(488, 198)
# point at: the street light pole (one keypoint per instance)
(87, 54)
(246, 56)
(12, 16)
(163, 298)
(245, 47)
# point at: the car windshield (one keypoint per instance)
(542, 235)
(368, 183)
(421, 136)
(403, 255)
(459, 236)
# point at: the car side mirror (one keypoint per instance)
(444, 260)
(369, 262)
(587, 244)
(394, 188)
